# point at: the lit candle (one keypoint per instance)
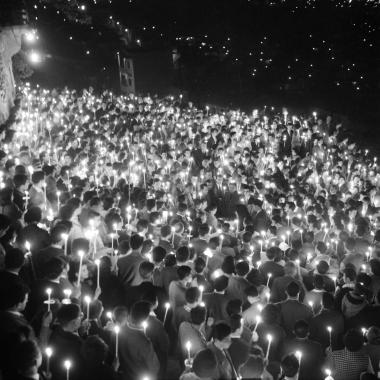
(49, 353)
(67, 364)
(329, 329)
(87, 300)
(144, 324)
(269, 277)
(65, 237)
(258, 321)
(48, 292)
(67, 293)
(221, 238)
(81, 254)
(201, 289)
(58, 200)
(97, 262)
(299, 357)
(328, 373)
(167, 307)
(269, 339)
(188, 348)
(117, 331)
(28, 247)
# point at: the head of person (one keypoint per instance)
(27, 359)
(14, 259)
(205, 364)
(136, 242)
(139, 313)
(16, 299)
(198, 315)
(292, 290)
(69, 317)
(221, 283)
(253, 368)
(184, 274)
(221, 335)
(289, 366)
(301, 329)
(353, 340)
(192, 296)
(146, 269)
(182, 255)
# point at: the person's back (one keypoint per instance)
(136, 352)
(292, 309)
(349, 362)
(312, 352)
(128, 268)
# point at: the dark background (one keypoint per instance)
(307, 55)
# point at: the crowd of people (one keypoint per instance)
(144, 238)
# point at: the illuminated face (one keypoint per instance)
(84, 273)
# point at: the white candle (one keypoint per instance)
(188, 348)
(67, 364)
(167, 307)
(97, 262)
(299, 357)
(117, 331)
(81, 254)
(144, 325)
(258, 320)
(67, 293)
(269, 338)
(329, 329)
(48, 292)
(65, 237)
(201, 289)
(49, 353)
(87, 299)
(58, 201)
(269, 277)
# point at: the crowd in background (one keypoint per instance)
(144, 238)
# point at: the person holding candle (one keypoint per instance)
(37, 237)
(136, 351)
(37, 191)
(26, 364)
(182, 313)
(221, 341)
(269, 326)
(292, 310)
(66, 341)
(312, 353)
(129, 265)
(55, 249)
(94, 352)
(204, 366)
(349, 362)
(177, 289)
